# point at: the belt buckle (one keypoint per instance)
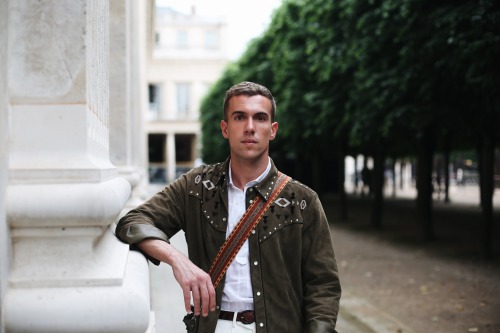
(247, 317)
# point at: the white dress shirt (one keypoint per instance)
(237, 295)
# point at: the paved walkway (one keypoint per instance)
(391, 283)
(441, 287)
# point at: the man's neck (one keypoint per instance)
(243, 171)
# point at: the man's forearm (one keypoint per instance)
(160, 250)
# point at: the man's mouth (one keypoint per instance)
(248, 142)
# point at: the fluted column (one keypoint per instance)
(68, 273)
(127, 96)
(5, 248)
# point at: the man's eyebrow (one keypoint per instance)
(236, 112)
(257, 114)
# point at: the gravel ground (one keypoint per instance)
(440, 287)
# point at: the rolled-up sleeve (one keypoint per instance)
(161, 217)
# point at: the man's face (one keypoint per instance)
(248, 127)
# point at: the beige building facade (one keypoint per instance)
(189, 53)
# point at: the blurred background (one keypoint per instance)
(388, 109)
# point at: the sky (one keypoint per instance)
(245, 19)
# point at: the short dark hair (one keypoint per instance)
(247, 88)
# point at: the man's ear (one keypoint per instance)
(223, 127)
(274, 130)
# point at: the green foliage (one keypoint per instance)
(373, 74)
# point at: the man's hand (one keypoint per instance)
(194, 281)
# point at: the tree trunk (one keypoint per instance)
(401, 174)
(393, 175)
(378, 189)
(341, 180)
(316, 179)
(298, 168)
(356, 174)
(365, 176)
(424, 185)
(447, 170)
(486, 183)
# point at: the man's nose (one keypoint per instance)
(249, 125)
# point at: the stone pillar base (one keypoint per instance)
(116, 308)
(69, 272)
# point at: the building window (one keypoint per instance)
(211, 39)
(184, 144)
(183, 99)
(182, 39)
(157, 38)
(157, 158)
(154, 101)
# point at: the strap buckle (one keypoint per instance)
(247, 317)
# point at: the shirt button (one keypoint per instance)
(261, 324)
(251, 201)
(251, 189)
(258, 293)
(253, 231)
(255, 263)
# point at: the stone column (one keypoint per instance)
(171, 163)
(5, 246)
(69, 273)
(127, 96)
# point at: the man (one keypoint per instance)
(284, 278)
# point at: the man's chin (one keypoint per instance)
(251, 156)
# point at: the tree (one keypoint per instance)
(384, 78)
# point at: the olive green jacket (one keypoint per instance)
(294, 274)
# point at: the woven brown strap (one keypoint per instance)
(242, 230)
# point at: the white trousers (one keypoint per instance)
(226, 326)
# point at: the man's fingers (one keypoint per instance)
(203, 294)
(211, 294)
(205, 301)
(196, 300)
(187, 299)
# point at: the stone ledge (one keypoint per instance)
(124, 308)
(73, 257)
(64, 205)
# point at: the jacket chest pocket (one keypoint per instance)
(283, 213)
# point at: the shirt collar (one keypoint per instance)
(252, 182)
